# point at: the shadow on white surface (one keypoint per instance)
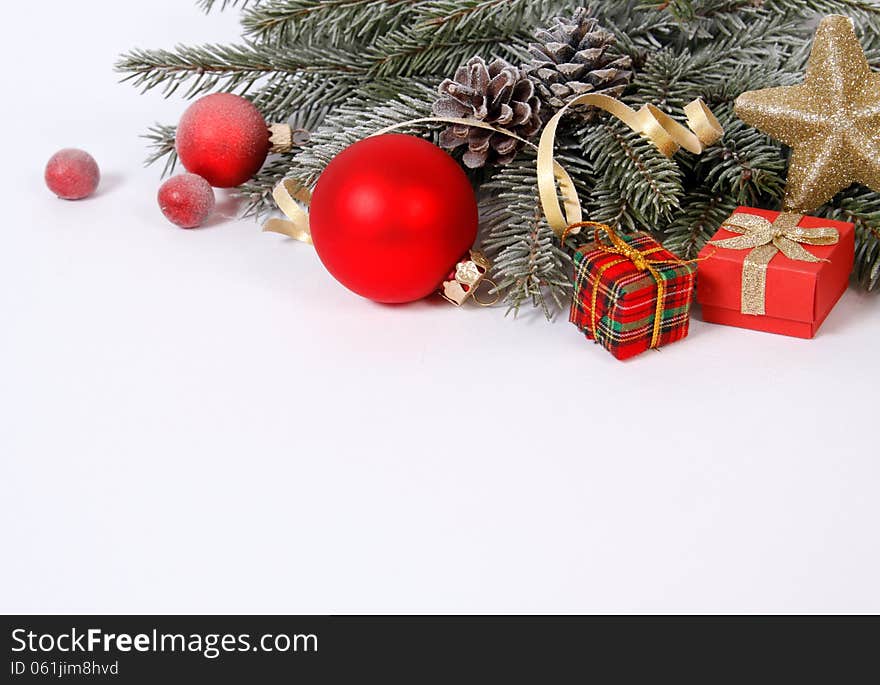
(226, 209)
(110, 182)
(209, 423)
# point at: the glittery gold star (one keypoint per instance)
(831, 122)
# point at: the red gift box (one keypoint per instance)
(799, 295)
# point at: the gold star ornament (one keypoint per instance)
(831, 121)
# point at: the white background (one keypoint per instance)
(203, 421)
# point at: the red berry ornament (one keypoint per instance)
(72, 174)
(223, 138)
(186, 200)
(390, 217)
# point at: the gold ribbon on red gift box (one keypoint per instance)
(766, 239)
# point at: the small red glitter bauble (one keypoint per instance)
(72, 174)
(390, 217)
(223, 138)
(186, 200)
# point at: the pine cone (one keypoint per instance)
(575, 56)
(499, 94)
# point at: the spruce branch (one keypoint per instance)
(702, 212)
(529, 264)
(633, 168)
(235, 67)
(308, 97)
(407, 54)
(368, 110)
(257, 192)
(332, 22)
(162, 145)
(606, 205)
(346, 68)
(864, 9)
(691, 10)
(208, 5)
(861, 207)
(449, 18)
(867, 259)
(745, 165)
(639, 31)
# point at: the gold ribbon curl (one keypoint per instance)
(662, 130)
(766, 239)
(288, 195)
(640, 258)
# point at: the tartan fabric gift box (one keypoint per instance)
(631, 294)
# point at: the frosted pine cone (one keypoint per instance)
(574, 57)
(499, 94)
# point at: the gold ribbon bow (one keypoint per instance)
(666, 134)
(641, 260)
(766, 240)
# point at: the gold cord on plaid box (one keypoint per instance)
(639, 258)
(766, 240)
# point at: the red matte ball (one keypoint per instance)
(390, 217)
(186, 200)
(72, 174)
(223, 138)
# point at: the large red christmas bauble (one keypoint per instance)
(390, 217)
(223, 138)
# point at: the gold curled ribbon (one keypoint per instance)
(554, 169)
(662, 130)
(642, 261)
(288, 194)
(766, 239)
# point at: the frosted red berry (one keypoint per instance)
(72, 174)
(223, 138)
(186, 200)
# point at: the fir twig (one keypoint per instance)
(335, 21)
(347, 68)
(208, 5)
(161, 137)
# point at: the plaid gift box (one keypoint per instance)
(632, 294)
